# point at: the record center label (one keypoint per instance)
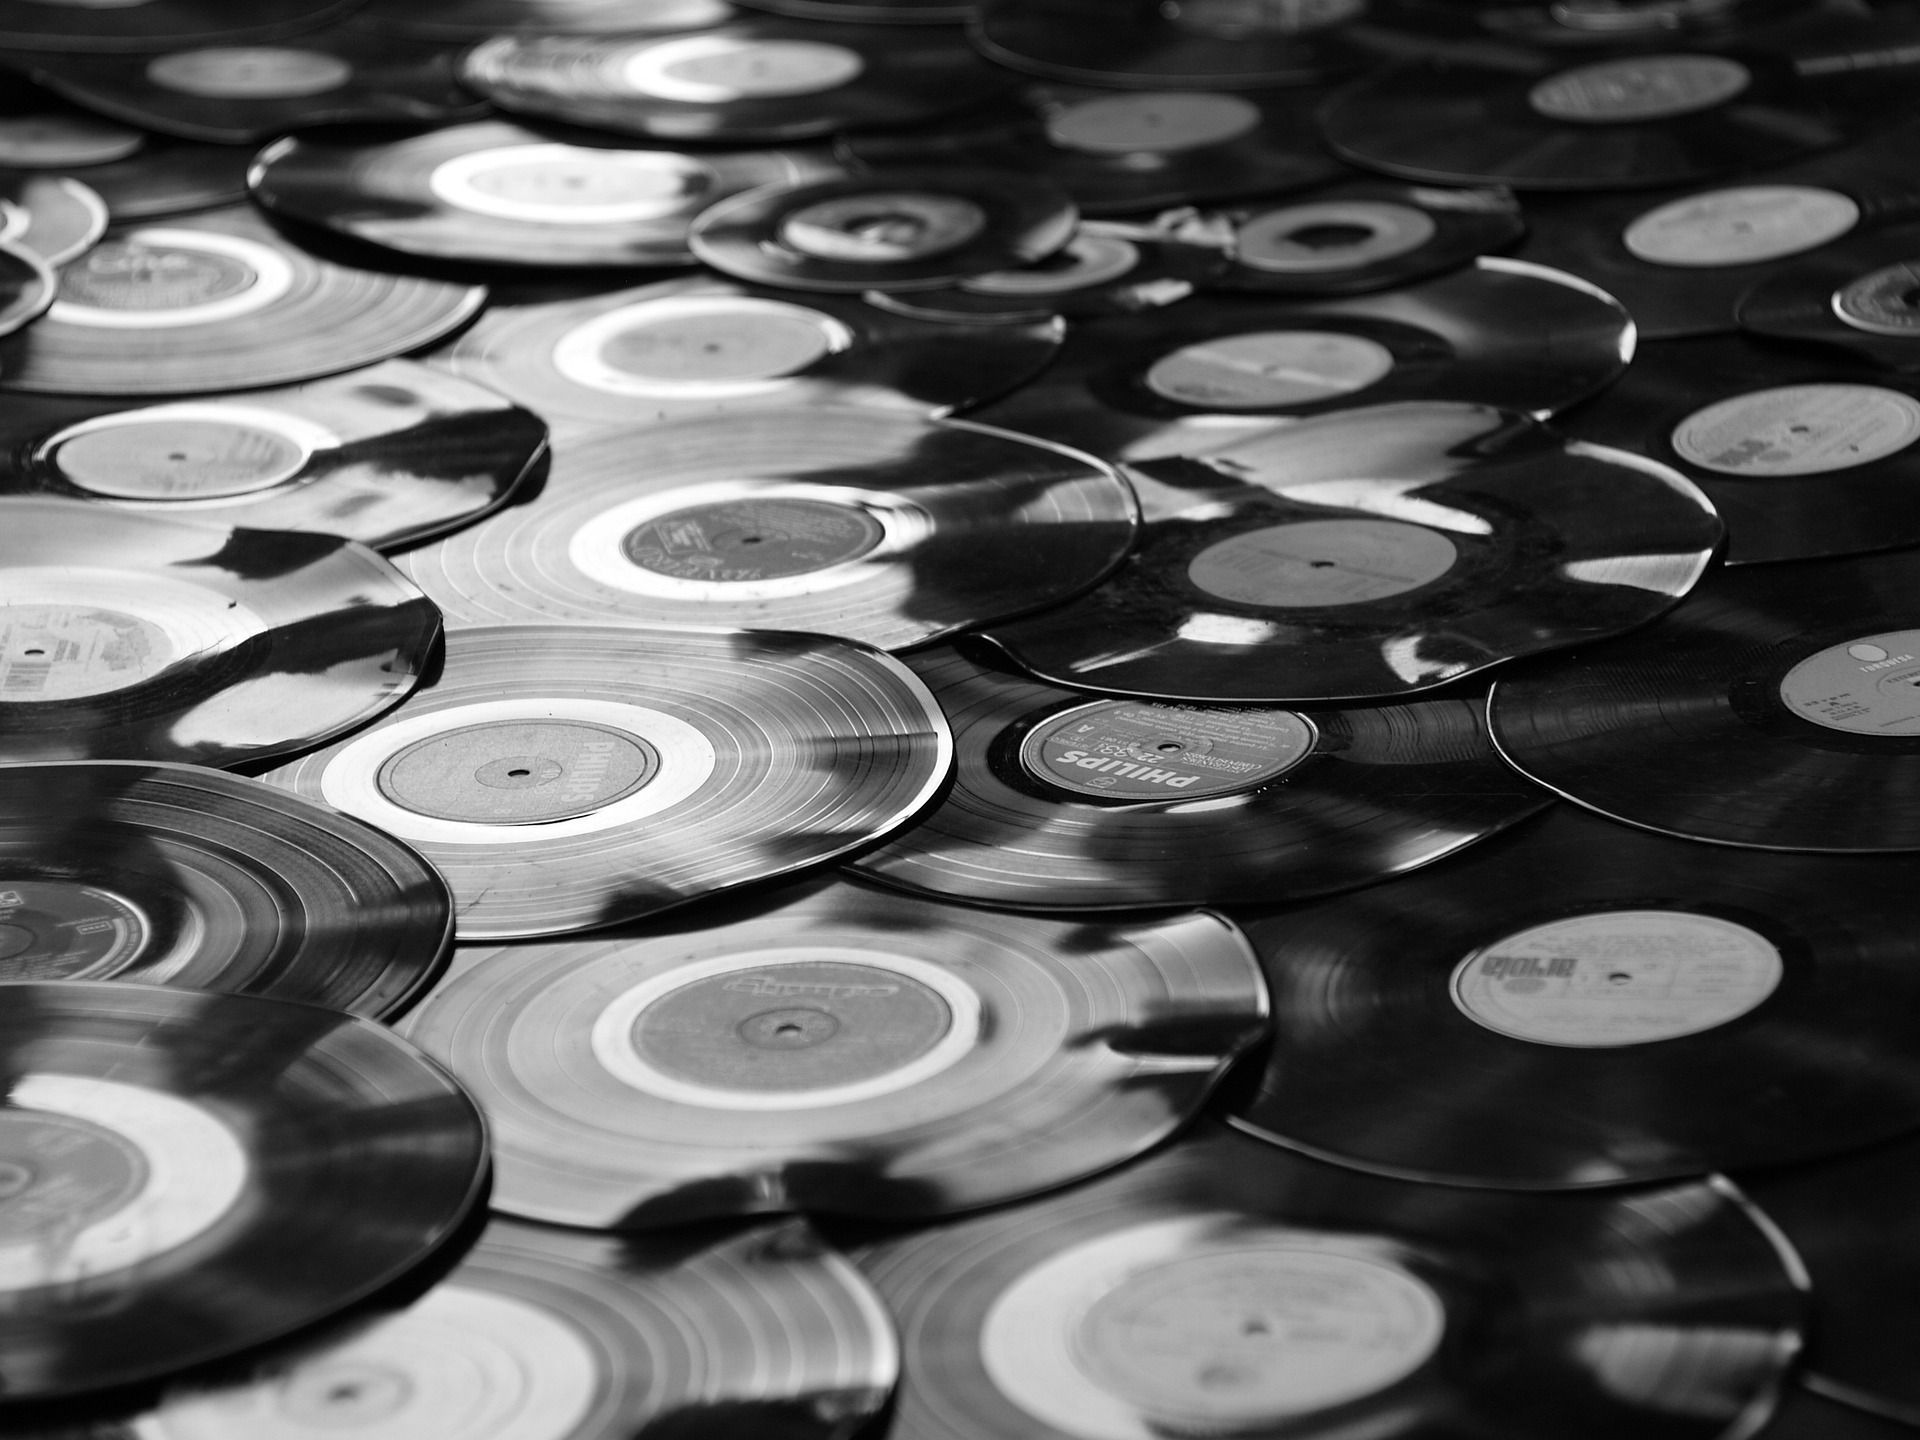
(1741, 225)
(518, 772)
(1639, 88)
(572, 184)
(1323, 562)
(1799, 430)
(1885, 302)
(1085, 261)
(883, 227)
(1332, 236)
(62, 930)
(186, 456)
(698, 345)
(71, 652)
(1622, 977)
(161, 277)
(1131, 750)
(1241, 19)
(718, 69)
(249, 73)
(1264, 369)
(52, 141)
(1160, 123)
(1869, 686)
(752, 539)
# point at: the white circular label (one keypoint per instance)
(1159, 122)
(717, 69)
(571, 184)
(197, 450)
(1637, 88)
(160, 278)
(1268, 368)
(1134, 750)
(1743, 225)
(52, 141)
(1332, 235)
(1323, 562)
(1087, 260)
(1799, 430)
(1869, 686)
(249, 73)
(883, 227)
(698, 347)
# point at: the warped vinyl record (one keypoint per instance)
(1803, 454)
(833, 1048)
(1375, 553)
(1173, 381)
(194, 1175)
(860, 523)
(1225, 1286)
(1857, 295)
(219, 301)
(567, 1336)
(388, 456)
(883, 12)
(181, 876)
(1579, 1003)
(501, 194)
(52, 216)
(149, 25)
(569, 777)
(473, 20)
(166, 176)
(127, 636)
(1062, 800)
(764, 78)
(704, 345)
(1776, 707)
(27, 288)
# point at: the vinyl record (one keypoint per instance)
(245, 94)
(180, 876)
(27, 287)
(127, 636)
(193, 1175)
(40, 131)
(148, 25)
(763, 78)
(885, 230)
(858, 523)
(221, 302)
(704, 345)
(1214, 367)
(1367, 235)
(555, 1335)
(387, 456)
(1371, 554)
(1224, 1286)
(1803, 457)
(166, 177)
(1857, 295)
(1578, 1003)
(1064, 801)
(833, 1048)
(472, 20)
(51, 216)
(879, 12)
(569, 777)
(1616, 24)
(1777, 707)
(501, 194)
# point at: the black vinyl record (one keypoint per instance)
(865, 524)
(1374, 553)
(568, 777)
(1064, 800)
(388, 456)
(1225, 1286)
(27, 288)
(1579, 1003)
(52, 216)
(221, 302)
(474, 20)
(149, 25)
(829, 1047)
(127, 636)
(920, 229)
(1617, 24)
(703, 345)
(763, 78)
(1777, 707)
(180, 876)
(879, 12)
(166, 176)
(1858, 294)
(1809, 1413)
(194, 1175)
(1803, 457)
(501, 194)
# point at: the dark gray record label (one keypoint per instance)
(517, 772)
(1741, 225)
(1869, 686)
(1332, 236)
(886, 227)
(1639, 88)
(60, 1174)
(1799, 430)
(178, 459)
(69, 652)
(1132, 750)
(1243, 19)
(1159, 123)
(121, 275)
(249, 73)
(61, 930)
(1262, 369)
(1323, 562)
(752, 539)
(1886, 302)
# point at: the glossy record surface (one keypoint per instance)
(33, 25)
(478, 19)
(891, 12)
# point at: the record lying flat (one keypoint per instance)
(1777, 707)
(220, 302)
(27, 288)
(834, 1048)
(1168, 382)
(567, 1336)
(472, 20)
(1579, 1003)
(147, 25)
(907, 229)
(505, 195)
(886, 12)
(387, 456)
(135, 637)
(568, 777)
(1802, 456)
(1611, 23)
(756, 79)
(1809, 1414)
(1375, 553)
(1227, 1287)
(193, 1175)
(51, 216)
(699, 345)
(170, 177)
(1064, 801)
(1857, 294)
(858, 523)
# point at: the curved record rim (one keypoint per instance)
(27, 287)
(1091, 1042)
(277, 315)
(1681, 727)
(466, 20)
(1376, 792)
(64, 218)
(422, 453)
(748, 727)
(1831, 511)
(1533, 1279)
(881, 12)
(333, 1138)
(1532, 543)
(1370, 1026)
(966, 524)
(402, 195)
(235, 645)
(168, 176)
(1798, 301)
(245, 889)
(856, 355)
(126, 29)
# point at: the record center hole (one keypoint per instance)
(1330, 237)
(1169, 747)
(1619, 977)
(519, 774)
(36, 651)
